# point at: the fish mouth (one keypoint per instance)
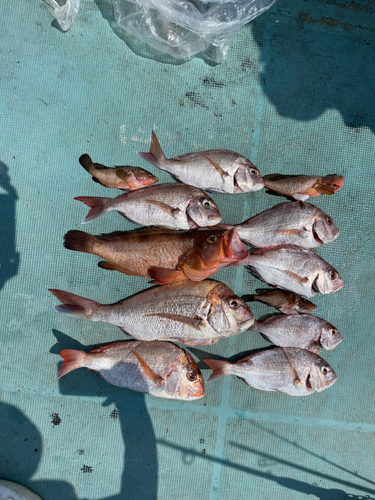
(335, 181)
(316, 236)
(234, 249)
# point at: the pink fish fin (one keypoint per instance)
(217, 167)
(282, 246)
(164, 207)
(287, 232)
(155, 156)
(132, 183)
(72, 360)
(162, 276)
(218, 367)
(197, 341)
(296, 277)
(74, 305)
(107, 347)
(196, 274)
(157, 379)
(324, 189)
(86, 162)
(110, 267)
(296, 380)
(98, 206)
(194, 322)
(78, 241)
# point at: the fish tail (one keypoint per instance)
(86, 162)
(74, 305)
(155, 156)
(72, 360)
(250, 298)
(254, 327)
(79, 241)
(218, 367)
(98, 206)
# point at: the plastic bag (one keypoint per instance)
(184, 28)
(65, 13)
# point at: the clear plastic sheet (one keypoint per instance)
(64, 13)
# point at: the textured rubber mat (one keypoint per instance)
(296, 95)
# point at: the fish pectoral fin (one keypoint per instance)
(162, 206)
(194, 322)
(162, 276)
(217, 167)
(298, 278)
(296, 380)
(122, 174)
(157, 379)
(324, 189)
(108, 265)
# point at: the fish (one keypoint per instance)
(161, 253)
(295, 223)
(294, 268)
(191, 313)
(292, 371)
(126, 177)
(301, 187)
(285, 301)
(219, 250)
(304, 331)
(173, 205)
(161, 369)
(216, 170)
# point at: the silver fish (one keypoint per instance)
(285, 301)
(216, 170)
(194, 313)
(294, 268)
(304, 331)
(158, 368)
(295, 223)
(291, 370)
(174, 206)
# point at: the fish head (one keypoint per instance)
(321, 375)
(222, 247)
(203, 211)
(143, 177)
(304, 306)
(324, 229)
(184, 380)
(328, 281)
(228, 314)
(330, 337)
(248, 178)
(334, 181)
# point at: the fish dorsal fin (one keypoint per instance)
(278, 177)
(104, 348)
(194, 322)
(296, 380)
(157, 379)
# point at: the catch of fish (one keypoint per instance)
(184, 243)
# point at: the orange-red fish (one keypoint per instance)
(146, 251)
(219, 250)
(126, 177)
(301, 187)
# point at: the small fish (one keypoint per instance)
(174, 206)
(304, 331)
(301, 187)
(191, 313)
(218, 250)
(161, 369)
(294, 268)
(295, 223)
(216, 170)
(292, 371)
(128, 178)
(285, 301)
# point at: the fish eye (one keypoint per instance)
(191, 376)
(324, 370)
(206, 204)
(329, 221)
(332, 331)
(254, 171)
(332, 274)
(233, 304)
(212, 238)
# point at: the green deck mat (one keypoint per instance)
(296, 95)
